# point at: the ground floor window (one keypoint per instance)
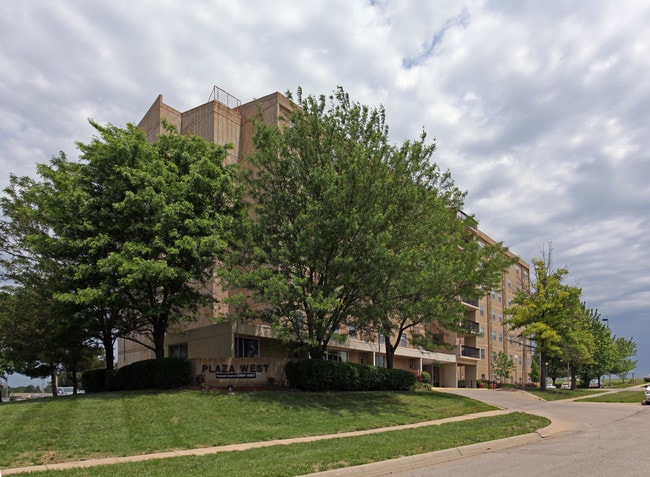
(247, 347)
(336, 355)
(379, 361)
(178, 350)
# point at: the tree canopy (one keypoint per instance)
(135, 229)
(350, 230)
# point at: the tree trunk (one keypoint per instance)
(159, 339)
(74, 379)
(55, 383)
(109, 354)
(390, 352)
(542, 365)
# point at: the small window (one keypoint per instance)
(494, 336)
(178, 350)
(379, 361)
(500, 337)
(352, 332)
(247, 347)
(482, 353)
(403, 341)
(336, 355)
(494, 315)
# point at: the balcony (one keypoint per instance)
(470, 302)
(471, 327)
(470, 352)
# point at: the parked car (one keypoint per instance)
(550, 386)
(647, 394)
(566, 385)
(595, 383)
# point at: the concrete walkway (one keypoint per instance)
(507, 401)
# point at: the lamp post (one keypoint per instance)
(606, 320)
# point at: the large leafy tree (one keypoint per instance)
(307, 257)
(503, 366)
(624, 350)
(136, 226)
(548, 314)
(349, 229)
(429, 261)
(602, 352)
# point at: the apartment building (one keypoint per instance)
(249, 354)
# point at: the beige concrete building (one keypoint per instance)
(248, 354)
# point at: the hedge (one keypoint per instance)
(321, 375)
(168, 373)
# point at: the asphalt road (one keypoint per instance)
(590, 439)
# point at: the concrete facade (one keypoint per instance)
(224, 120)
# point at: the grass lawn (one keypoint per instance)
(559, 394)
(628, 396)
(119, 424)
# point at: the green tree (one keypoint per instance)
(306, 260)
(624, 350)
(351, 230)
(603, 348)
(137, 226)
(547, 313)
(503, 366)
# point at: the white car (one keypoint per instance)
(566, 385)
(647, 394)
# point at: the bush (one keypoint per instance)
(94, 381)
(165, 373)
(168, 373)
(321, 375)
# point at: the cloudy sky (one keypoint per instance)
(539, 109)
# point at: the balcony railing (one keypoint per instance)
(470, 302)
(471, 327)
(470, 352)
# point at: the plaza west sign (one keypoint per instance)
(239, 371)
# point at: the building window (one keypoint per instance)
(499, 295)
(509, 283)
(247, 347)
(500, 317)
(352, 332)
(379, 361)
(494, 315)
(500, 337)
(178, 350)
(494, 336)
(403, 341)
(482, 353)
(481, 310)
(336, 355)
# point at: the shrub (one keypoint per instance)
(321, 375)
(165, 373)
(94, 381)
(168, 373)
